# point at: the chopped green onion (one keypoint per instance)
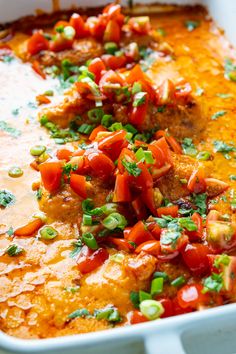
(48, 233)
(151, 309)
(49, 93)
(137, 87)
(161, 275)
(106, 120)
(115, 220)
(43, 120)
(203, 155)
(69, 32)
(15, 172)
(87, 206)
(139, 99)
(157, 286)
(85, 129)
(130, 128)
(87, 220)
(110, 47)
(110, 314)
(116, 126)
(37, 150)
(14, 250)
(132, 168)
(79, 313)
(95, 115)
(143, 295)
(178, 281)
(118, 257)
(146, 156)
(109, 208)
(90, 241)
(134, 298)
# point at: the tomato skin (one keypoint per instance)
(89, 260)
(166, 92)
(168, 307)
(139, 27)
(110, 77)
(96, 26)
(37, 43)
(121, 244)
(169, 210)
(171, 141)
(121, 191)
(155, 230)
(107, 143)
(30, 228)
(114, 62)
(191, 296)
(60, 43)
(112, 32)
(144, 181)
(139, 209)
(77, 22)
(198, 234)
(95, 132)
(139, 234)
(150, 247)
(37, 68)
(178, 310)
(137, 317)
(96, 67)
(158, 155)
(51, 173)
(196, 182)
(78, 184)
(138, 114)
(195, 258)
(147, 197)
(101, 164)
(64, 154)
(164, 147)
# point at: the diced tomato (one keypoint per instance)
(96, 67)
(191, 296)
(30, 228)
(137, 75)
(42, 99)
(169, 246)
(195, 257)
(121, 244)
(125, 154)
(36, 43)
(147, 197)
(196, 182)
(126, 232)
(168, 307)
(139, 208)
(77, 22)
(150, 247)
(96, 26)
(37, 68)
(166, 93)
(61, 24)
(95, 132)
(121, 190)
(158, 155)
(110, 139)
(101, 164)
(168, 210)
(139, 234)
(144, 181)
(168, 257)
(171, 141)
(113, 12)
(90, 260)
(140, 25)
(162, 144)
(138, 114)
(51, 173)
(114, 62)
(155, 230)
(198, 234)
(214, 186)
(178, 310)
(109, 82)
(182, 91)
(137, 317)
(60, 43)
(112, 32)
(159, 172)
(64, 154)
(78, 184)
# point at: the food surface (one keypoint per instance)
(117, 182)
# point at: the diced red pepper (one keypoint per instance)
(51, 173)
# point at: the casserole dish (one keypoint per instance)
(171, 332)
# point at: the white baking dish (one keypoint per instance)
(207, 332)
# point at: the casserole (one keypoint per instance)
(125, 333)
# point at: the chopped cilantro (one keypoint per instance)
(10, 231)
(221, 146)
(39, 193)
(170, 237)
(232, 177)
(79, 313)
(199, 201)
(68, 168)
(188, 224)
(188, 147)
(14, 250)
(6, 198)
(213, 283)
(131, 168)
(76, 248)
(218, 114)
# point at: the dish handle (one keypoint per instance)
(164, 343)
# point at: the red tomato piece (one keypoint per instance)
(114, 62)
(77, 22)
(150, 247)
(64, 154)
(121, 190)
(30, 228)
(138, 114)
(60, 43)
(155, 230)
(112, 32)
(166, 92)
(51, 173)
(107, 82)
(139, 209)
(36, 43)
(96, 26)
(101, 164)
(125, 154)
(147, 197)
(140, 233)
(168, 210)
(162, 144)
(176, 147)
(198, 234)
(196, 182)
(192, 296)
(144, 180)
(37, 68)
(96, 67)
(121, 244)
(90, 260)
(140, 25)
(108, 141)
(126, 232)
(137, 317)
(95, 132)
(78, 184)
(168, 307)
(195, 257)
(178, 310)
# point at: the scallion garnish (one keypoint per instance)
(114, 220)
(157, 286)
(178, 281)
(151, 309)
(48, 233)
(139, 99)
(90, 240)
(85, 129)
(95, 115)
